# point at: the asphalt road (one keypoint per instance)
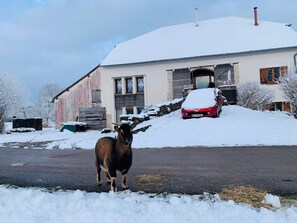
(172, 170)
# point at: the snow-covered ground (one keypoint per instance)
(37, 205)
(237, 126)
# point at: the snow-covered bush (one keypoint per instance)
(44, 106)
(252, 95)
(12, 96)
(288, 84)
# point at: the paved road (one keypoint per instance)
(173, 170)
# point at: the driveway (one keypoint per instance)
(172, 170)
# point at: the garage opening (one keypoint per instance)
(202, 78)
(221, 75)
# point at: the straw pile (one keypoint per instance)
(242, 194)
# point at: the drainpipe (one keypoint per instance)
(295, 62)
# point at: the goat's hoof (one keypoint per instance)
(99, 183)
(125, 186)
(114, 190)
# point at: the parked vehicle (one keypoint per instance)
(206, 102)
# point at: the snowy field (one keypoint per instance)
(237, 126)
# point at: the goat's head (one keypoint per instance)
(124, 133)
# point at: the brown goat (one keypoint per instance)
(114, 154)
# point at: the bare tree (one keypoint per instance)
(253, 95)
(12, 96)
(44, 105)
(288, 84)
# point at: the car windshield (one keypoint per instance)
(200, 98)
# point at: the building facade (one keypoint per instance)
(166, 80)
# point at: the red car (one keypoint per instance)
(206, 102)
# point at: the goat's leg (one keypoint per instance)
(113, 187)
(124, 184)
(113, 175)
(108, 180)
(98, 169)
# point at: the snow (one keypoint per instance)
(272, 200)
(200, 98)
(39, 205)
(187, 40)
(236, 126)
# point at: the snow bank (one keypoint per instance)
(236, 126)
(36, 205)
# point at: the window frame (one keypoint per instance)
(271, 75)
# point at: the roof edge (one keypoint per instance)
(76, 82)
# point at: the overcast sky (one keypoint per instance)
(58, 41)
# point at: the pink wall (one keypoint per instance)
(77, 96)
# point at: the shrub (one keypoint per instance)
(288, 84)
(252, 95)
(12, 97)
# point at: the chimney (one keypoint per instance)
(256, 16)
(196, 17)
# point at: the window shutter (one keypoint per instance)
(96, 96)
(263, 75)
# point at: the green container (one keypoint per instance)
(71, 128)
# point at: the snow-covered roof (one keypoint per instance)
(212, 37)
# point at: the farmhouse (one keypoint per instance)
(164, 63)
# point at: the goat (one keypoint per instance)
(114, 154)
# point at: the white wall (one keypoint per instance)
(155, 73)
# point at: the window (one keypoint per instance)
(129, 85)
(278, 106)
(96, 95)
(118, 86)
(271, 75)
(129, 95)
(140, 84)
(139, 110)
(129, 111)
(203, 81)
(119, 112)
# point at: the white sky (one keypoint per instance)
(58, 41)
